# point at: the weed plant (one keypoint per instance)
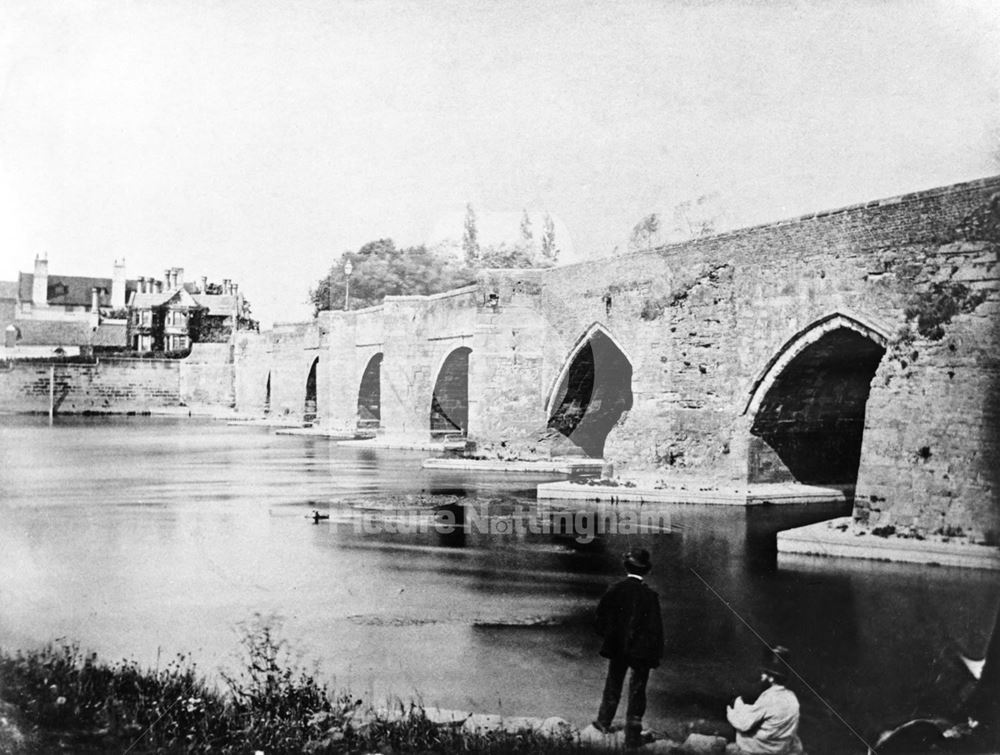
(72, 701)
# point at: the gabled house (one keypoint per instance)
(172, 317)
(44, 315)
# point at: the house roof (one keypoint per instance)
(179, 297)
(72, 290)
(8, 289)
(217, 304)
(147, 300)
(53, 333)
(110, 334)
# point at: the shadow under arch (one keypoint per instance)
(592, 392)
(309, 410)
(267, 395)
(449, 413)
(808, 404)
(370, 395)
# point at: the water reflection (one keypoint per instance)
(144, 537)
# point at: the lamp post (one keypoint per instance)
(348, 269)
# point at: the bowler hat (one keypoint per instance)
(777, 662)
(637, 562)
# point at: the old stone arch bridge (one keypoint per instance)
(858, 345)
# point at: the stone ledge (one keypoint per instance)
(695, 491)
(261, 423)
(316, 432)
(841, 538)
(409, 444)
(560, 465)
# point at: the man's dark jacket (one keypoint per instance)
(628, 617)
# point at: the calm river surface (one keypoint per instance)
(144, 537)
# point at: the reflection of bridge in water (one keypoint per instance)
(853, 347)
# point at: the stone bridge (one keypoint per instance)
(852, 347)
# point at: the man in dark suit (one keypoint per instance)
(628, 618)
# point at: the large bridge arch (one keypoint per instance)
(592, 391)
(449, 410)
(806, 409)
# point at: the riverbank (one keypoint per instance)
(60, 698)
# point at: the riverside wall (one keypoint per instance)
(120, 385)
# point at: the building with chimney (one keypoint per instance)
(169, 315)
(47, 314)
(44, 315)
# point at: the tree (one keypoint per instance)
(380, 270)
(645, 233)
(526, 235)
(470, 240)
(509, 256)
(550, 252)
(696, 218)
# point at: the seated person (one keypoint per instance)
(770, 725)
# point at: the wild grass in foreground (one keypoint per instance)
(69, 700)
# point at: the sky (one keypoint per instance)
(258, 141)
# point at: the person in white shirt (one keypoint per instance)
(770, 725)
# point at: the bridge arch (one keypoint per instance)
(309, 410)
(370, 395)
(592, 392)
(449, 413)
(807, 407)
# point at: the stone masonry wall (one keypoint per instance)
(708, 326)
(110, 385)
(419, 333)
(701, 322)
(206, 375)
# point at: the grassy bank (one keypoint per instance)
(64, 699)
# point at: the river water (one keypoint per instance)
(144, 537)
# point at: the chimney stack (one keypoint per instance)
(179, 275)
(225, 285)
(95, 300)
(118, 285)
(40, 283)
(166, 278)
(142, 285)
(236, 289)
(204, 284)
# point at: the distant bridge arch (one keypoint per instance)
(309, 409)
(449, 411)
(370, 395)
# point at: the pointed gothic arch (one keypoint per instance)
(592, 392)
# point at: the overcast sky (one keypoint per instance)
(259, 140)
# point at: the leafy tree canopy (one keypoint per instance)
(379, 269)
